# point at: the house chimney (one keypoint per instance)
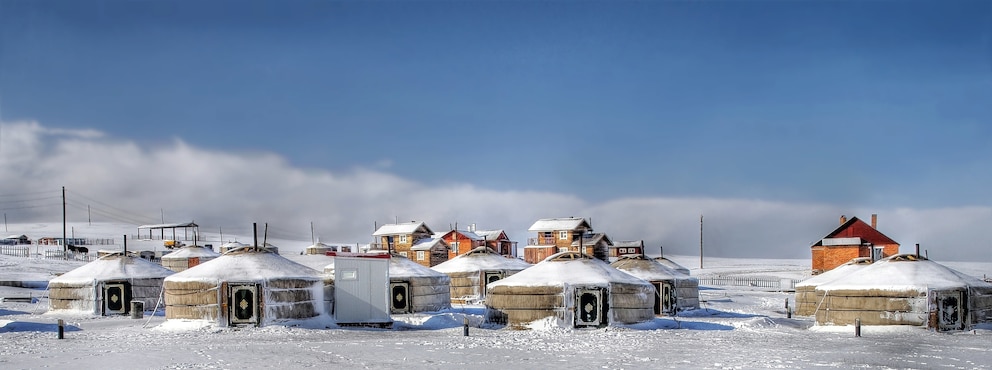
(917, 250)
(874, 221)
(843, 219)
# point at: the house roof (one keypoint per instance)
(557, 224)
(490, 234)
(628, 243)
(855, 228)
(593, 239)
(569, 268)
(428, 244)
(478, 259)
(405, 228)
(169, 226)
(464, 233)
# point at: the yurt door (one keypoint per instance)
(489, 277)
(949, 310)
(116, 298)
(665, 304)
(243, 304)
(589, 307)
(399, 298)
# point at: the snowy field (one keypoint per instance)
(735, 328)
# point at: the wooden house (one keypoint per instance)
(852, 239)
(429, 252)
(626, 248)
(399, 238)
(463, 241)
(554, 235)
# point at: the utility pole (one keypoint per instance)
(700, 241)
(89, 218)
(65, 242)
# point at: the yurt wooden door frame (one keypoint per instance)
(244, 303)
(590, 306)
(665, 303)
(950, 307)
(399, 297)
(489, 277)
(116, 297)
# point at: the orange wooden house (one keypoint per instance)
(463, 241)
(852, 239)
(413, 240)
(565, 234)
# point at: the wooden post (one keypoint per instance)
(465, 320)
(700, 241)
(61, 329)
(857, 327)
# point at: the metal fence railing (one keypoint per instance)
(15, 250)
(58, 254)
(748, 281)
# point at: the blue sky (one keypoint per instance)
(856, 104)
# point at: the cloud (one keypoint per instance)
(122, 181)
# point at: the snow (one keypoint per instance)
(246, 265)
(113, 267)
(476, 261)
(736, 328)
(647, 269)
(399, 267)
(556, 224)
(584, 271)
(187, 252)
(891, 274)
(399, 229)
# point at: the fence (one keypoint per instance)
(15, 250)
(58, 254)
(785, 284)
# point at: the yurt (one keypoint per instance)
(906, 289)
(187, 257)
(573, 288)
(412, 287)
(107, 285)
(672, 265)
(675, 291)
(231, 246)
(322, 249)
(807, 300)
(245, 286)
(471, 271)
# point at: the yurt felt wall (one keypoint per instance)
(187, 257)
(245, 287)
(807, 299)
(470, 272)
(684, 289)
(86, 288)
(427, 290)
(905, 290)
(573, 288)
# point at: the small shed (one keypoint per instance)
(906, 289)
(362, 290)
(247, 286)
(675, 291)
(187, 257)
(107, 285)
(575, 289)
(471, 271)
(807, 299)
(412, 288)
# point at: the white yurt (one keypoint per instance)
(672, 265)
(107, 285)
(413, 288)
(187, 257)
(807, 300)
(675, 291)
(470, 272)
(906, 289)
(245, 286)
(573, 288)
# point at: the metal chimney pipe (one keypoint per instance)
(917, 250)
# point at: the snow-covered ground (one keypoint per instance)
(735, 328)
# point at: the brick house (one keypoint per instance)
(565, 234)
(852, 239)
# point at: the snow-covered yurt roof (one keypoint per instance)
(836, 273)
(903, 272)
(191, 252)
(647, 268)
(672, 265)
(114, 267)
(568, 268)
(249, 265)
(478, 259)
(399, 267)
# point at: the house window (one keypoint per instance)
(622, 250)
(454, 247)
(403, 254)
(402, 238)
(420, 255)
(563, 235)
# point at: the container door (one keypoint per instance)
(589, 307)
(116, 298)
(243, 304)
(950, 310)
(399, 294)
